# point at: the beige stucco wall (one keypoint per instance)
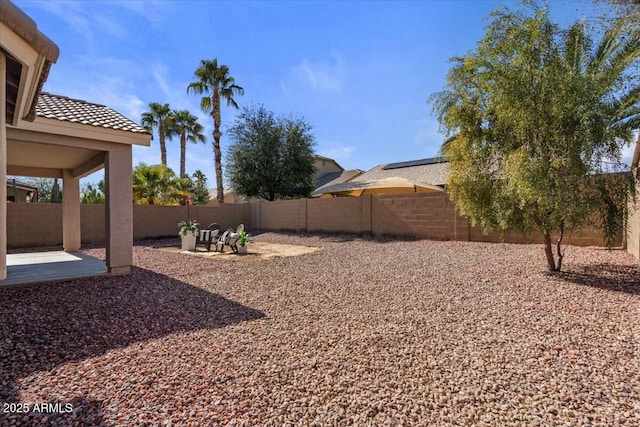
(633, 226)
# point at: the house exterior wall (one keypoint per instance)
(325, 166)
(633, 226)
(3, 166)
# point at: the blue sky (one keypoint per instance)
(359, 72)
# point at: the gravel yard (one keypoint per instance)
(362, 332)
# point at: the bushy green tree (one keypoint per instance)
(538, 115)
(199, 190)
(270, 157)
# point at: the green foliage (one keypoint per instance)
(158, 184)
(184, 125)
(91, 194)
(270, 157)
(56, 193)
(158, 118)
(187, 227)
(623, 13)
(215, 82)
(538, 115)
(199, 190)
(244, 238)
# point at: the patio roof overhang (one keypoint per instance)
(29, 55)
(45, 135)
(47, 147)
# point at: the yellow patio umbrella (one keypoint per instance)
(391, 185)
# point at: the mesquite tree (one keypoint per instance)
(539, 117)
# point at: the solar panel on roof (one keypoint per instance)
(420, 162)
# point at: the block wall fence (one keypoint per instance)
(413, 215)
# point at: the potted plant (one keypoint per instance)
(188, 231)
(243, 241)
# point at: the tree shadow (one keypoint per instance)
(619, 278)
(42, 327)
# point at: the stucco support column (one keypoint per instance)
(119, 210)
(70, 211)
(3, 166)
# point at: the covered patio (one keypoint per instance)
(51, 136)
(50, 266)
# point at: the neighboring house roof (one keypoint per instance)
(431, 171)
(327, 159)
(21, 185)
(78, 111)
(333, 178)
(434, 171)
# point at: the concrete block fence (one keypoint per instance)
(412, 215)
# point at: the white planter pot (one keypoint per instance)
(242, 249)
(189, 242)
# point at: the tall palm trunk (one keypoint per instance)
(183, 153)
(217, 153)
(163, 146)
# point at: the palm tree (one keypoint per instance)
(215, 82)
(186, 126)
(158, 117)
(153, 184)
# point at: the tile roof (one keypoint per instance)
(333, 178)
(20, 184)
(434, 173)
(77, 111)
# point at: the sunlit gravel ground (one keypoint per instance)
(362, 332)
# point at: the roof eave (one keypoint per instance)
(26, 28)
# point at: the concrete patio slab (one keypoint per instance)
(51, 266)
